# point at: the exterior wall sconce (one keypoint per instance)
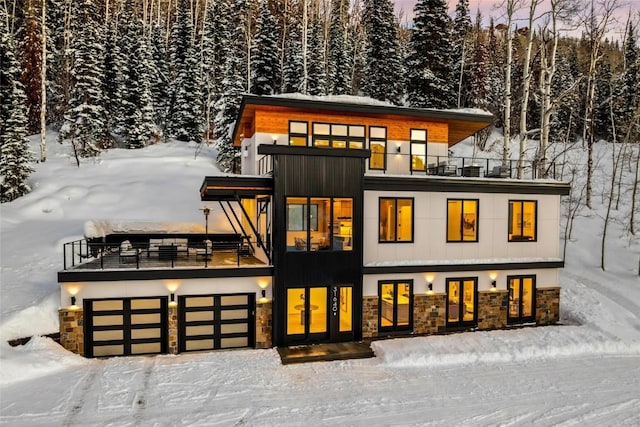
(275, 141)
(398, 149)
(73, 305)
(493, 286)
(263, 293)
(430, 287)
(73, 300)
(172, 300)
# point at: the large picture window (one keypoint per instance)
(319, 223)
(396, 220)
(522, 297)
(418, 149)
(462, 220)
(298, 133)
(327, 135)
(523, 218)
(378, 146)
(396, 306)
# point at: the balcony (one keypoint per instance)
(83, 255)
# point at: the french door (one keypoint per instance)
(522, 299)
(395, 312)
(319, 314)
(462, 302)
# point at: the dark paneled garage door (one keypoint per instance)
(211, 322)
(125, 326)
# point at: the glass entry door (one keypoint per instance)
(522, 291)
(395, 306)
(461, 302)
(307, 313)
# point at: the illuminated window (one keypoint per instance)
(396, 220)
(298, 133)
(523, 216)
(461, 301)
(522, 297)
(462, 220)
(319, 223)
(378, 146)
(328, 135)
(395, 305)
(418, 149)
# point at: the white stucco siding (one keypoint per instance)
(544, 278)
(430, 229)
(150, 288)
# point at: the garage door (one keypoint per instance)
(212, 322)
(125, 326)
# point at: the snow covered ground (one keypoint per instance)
(583, 372)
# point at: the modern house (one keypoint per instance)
(350, 221)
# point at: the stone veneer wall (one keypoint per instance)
(173, 330)
(369, 317)
(429, 313)
(72, 330)
(264, 327)
(492, 309)
(548, 305)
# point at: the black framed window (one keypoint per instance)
(298, 133)
(319, 223)
(522, 298)
(330, 135)
(462, 220)
(418, 149)
(396, 220)
(523, 220)
(462, 301)
(378, 147)
(395, 302)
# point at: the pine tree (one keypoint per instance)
(159, 77)
(316, 76)
(265, 58)
(383, 72)
(85, 120)
(113, 79)
(293, 73)
(137, 103)
(185, 113)
(430, 75)
(495, 75)
(461, 53)
(338, 61)
(630, 85)
(15, 156)
(228, 107)
(478, 77)
(31, 49)
(57, 75)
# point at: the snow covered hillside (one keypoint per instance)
(583, 372)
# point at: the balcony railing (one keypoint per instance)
(85, 255)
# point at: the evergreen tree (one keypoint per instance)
(461, 53)
(113, 78)
(215, 48)
(293, 73)
(137, 103)
(57, 55)
(265, 58)
(228, 107)
(338, 61)
(185, 113)
(430, 75)
(316, 76)
(159, 77)
(85, 120)
(383, 71)
(31, 49)
(495, 75)
(15, 156)
(564, 122)
(630, 85)
(478, 77)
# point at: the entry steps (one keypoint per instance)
(325, 352)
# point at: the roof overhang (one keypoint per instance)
(462, 124)
(216, 188)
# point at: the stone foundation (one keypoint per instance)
(72, 330)
(429, 313)
(173, 330)
(369, 317)
(492, 309)
(547, 305)
(264, 327)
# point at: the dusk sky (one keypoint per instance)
(489, 8)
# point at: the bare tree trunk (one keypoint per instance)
(634, 194)
(526, 86)
(43, 86)
(511, 7)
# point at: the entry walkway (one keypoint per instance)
(325, 352)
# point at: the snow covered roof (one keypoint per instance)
(97, 228)
(462, 122)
